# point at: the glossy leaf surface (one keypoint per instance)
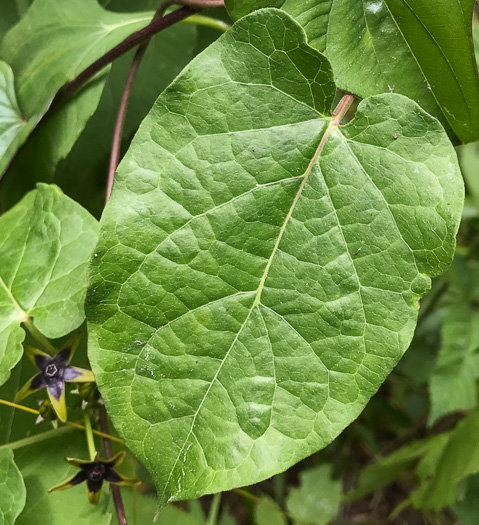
(259, 267)
(61, 43)
(12, 489)
(421, 49)
(45, 244)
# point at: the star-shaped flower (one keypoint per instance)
(54, 372)
(95, 473)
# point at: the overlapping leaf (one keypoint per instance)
(421, 49)
(259, 267)
(62, 41)
(12, 489)
(45, 244)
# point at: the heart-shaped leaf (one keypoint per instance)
(45, 244)
(259, 267)
(421, 49)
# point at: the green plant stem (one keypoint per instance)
(39, 336)
(115, 489)
(37, 438)
(69, 423)
(207, 21)
(89, 436)
(214, 510)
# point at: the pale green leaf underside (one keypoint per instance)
(233, 330)
(50, 46)
(46, 241)
(418, 48)
(12, 489)
(453, 383)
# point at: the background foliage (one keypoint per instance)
(412, 455)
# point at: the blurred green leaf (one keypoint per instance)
(317, 498)
(12, 489)
(45, 244)
(457, 460)
(267, 512)
(63, 39)
(393, 466)
(467, 510)
(420, 49)
(453, 382)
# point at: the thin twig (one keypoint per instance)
(122, 48)
(125, 97)
(69, 423)
(135, 65)
(115, 489)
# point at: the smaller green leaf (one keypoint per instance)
(453, 383)
(63, 39)
(317, 499)
(45, 244)
(468, 509)
(12, 489)
(267, 512)
(458, 459)
(390, 468)
(12, 123)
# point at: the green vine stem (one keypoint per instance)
(207, 21)
(39, 336)
(69, 423)
(89, 436)
(37, 438)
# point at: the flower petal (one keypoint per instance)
(32, 385)
(77, 478)
(115, 460)
(94, 490)
(112, 476)
(39, 358)
(57, 399)
(73, 374)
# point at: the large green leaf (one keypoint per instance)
(45, 244)
(63, 39)
(12, 489)
(419, 48)
(259, 268)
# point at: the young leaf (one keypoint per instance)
(63, 39)
(453, 383)
(43, 465)
(45, 244)
(12, 488)
(420, 49)
(317, 498)
(259, 267)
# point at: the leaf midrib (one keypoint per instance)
(332, 125)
